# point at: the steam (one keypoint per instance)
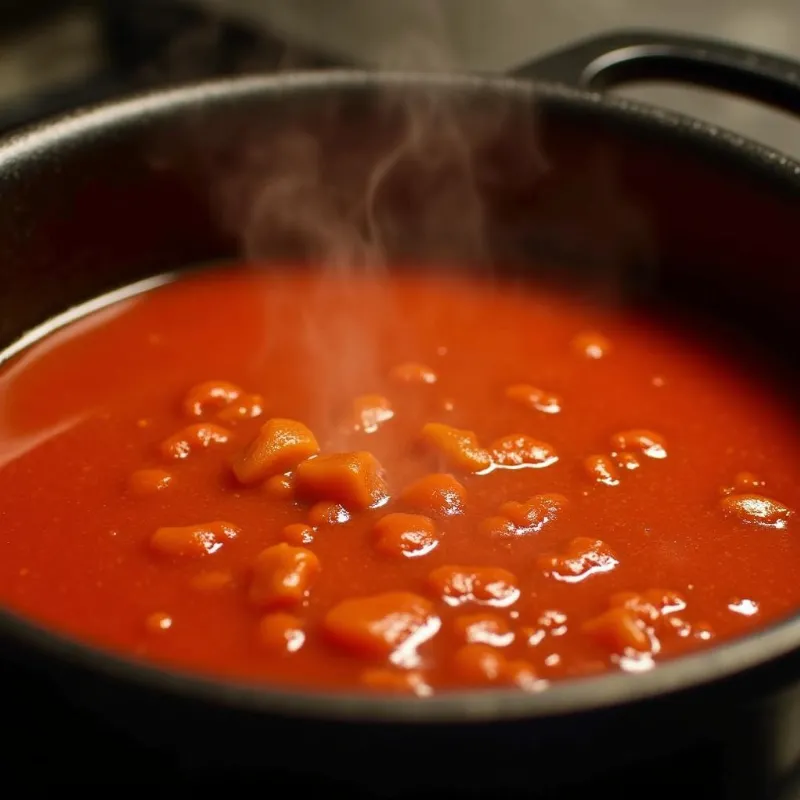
(354, 179)
(352, 183)
(283, 204)
(416, 180)
(399, 172)
(409, 172)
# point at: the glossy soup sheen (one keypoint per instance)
(406, 483)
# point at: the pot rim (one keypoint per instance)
(563, 697)
(30, 141)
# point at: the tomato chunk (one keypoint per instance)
(355, 480)
(384, 626)
(627, 461)
(279, 487)
(325, 514)
(648, 443)
(583, 557)
(480, 664)
(196, 437)
(193, 541)
(601, 469)
(518, 450)
(550, 623)
(488, 629)
(246, 406)
(651, 605)
(149, 481)
(210, 396)
(405, 535)
(620, 629)
(282, 576)
(438, 495)
(298, 534)
(280, 446)
(484, 585)
(459, 449)
(532, 397)
(755, 509)
(522, 519)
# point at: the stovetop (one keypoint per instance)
(81, 53)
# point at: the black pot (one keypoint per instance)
(675, 210)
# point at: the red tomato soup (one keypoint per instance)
(407, 484)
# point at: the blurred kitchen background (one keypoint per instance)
(59, 54)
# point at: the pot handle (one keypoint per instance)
(609, 60)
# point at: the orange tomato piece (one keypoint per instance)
(383, 625)
(282, 576)
(280, 445)
(355, 480)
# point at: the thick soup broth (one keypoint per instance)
(408, 483)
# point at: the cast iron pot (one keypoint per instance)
(657, 207)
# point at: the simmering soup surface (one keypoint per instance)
(403, 484)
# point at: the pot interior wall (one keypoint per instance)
(621, 207)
